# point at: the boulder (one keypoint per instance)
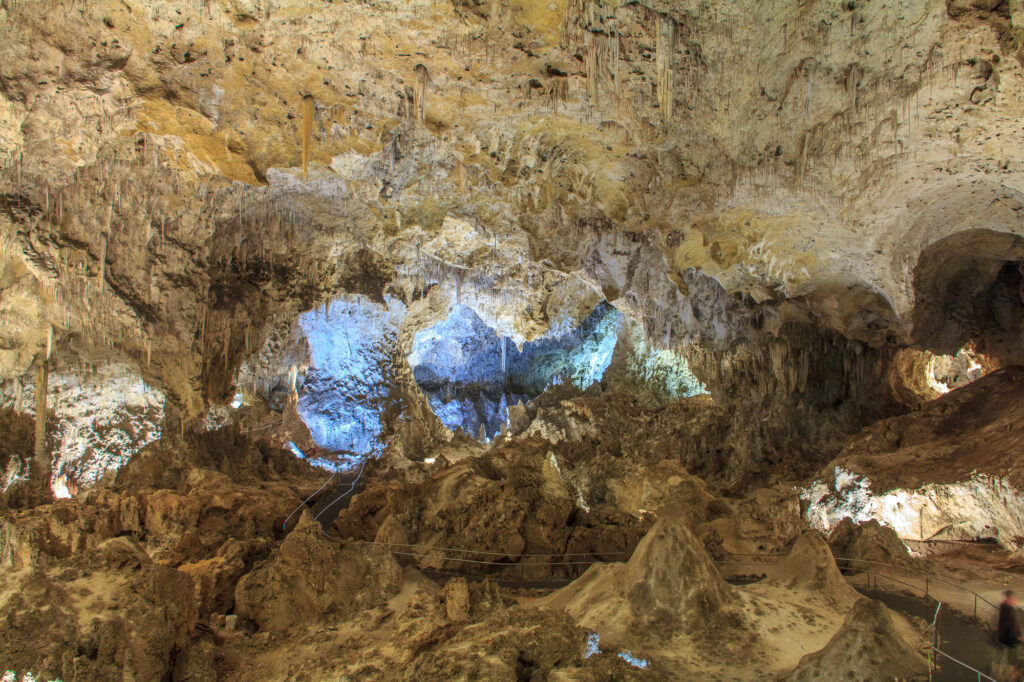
(312, 578)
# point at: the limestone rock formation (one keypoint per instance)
(811, 568)
(310, 579)
(111, 613)
(569, 291)
(669, 588)
(948, 471)
(786, 227)
(868, 541)
(867, 647)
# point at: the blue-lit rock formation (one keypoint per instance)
(471, 375)
(352, 344)
(662, 372)
(579, 357)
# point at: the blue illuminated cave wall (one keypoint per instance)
(458, 365)
(579, 357)
(352, 344)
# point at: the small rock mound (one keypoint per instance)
(312, 578)
(668, 587)
(110, 613)
(869, 541)
(810, 567)
(513, 644)
(867, 647)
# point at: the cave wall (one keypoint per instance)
(762, 189)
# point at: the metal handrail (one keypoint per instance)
(488, 553)
(492, 563)
(981, 675)
(932, 646)
(927, 576)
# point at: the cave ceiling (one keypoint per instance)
(176, 178)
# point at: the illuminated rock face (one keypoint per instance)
(102, 418)
(210, 170)
(664, 372)
(980, 508)
(579, 357)
(471, 375)
(352, 344)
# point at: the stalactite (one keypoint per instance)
(103, 257)
(308, 114)
(666, 46)
(461, 169)
(592, 67)
(420, 94)
(41, 456)
(801, 165)
(292, 377)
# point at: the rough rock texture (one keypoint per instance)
(255, 601)
(787, 192)
(503, 507)
(868, 647)
(311, 578)
(949, 470)
(214, 579)
(809, 205)
(868, 541)
(101, 416)
(169, 499)
(108, 614)
(811, 568)
(669, 588)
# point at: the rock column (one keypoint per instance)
(40, 474)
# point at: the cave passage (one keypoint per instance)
(471, 375)
(351, 345)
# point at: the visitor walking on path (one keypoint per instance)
(1008, 633)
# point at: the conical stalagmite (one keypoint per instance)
(659, 286)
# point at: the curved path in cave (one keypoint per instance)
(962, 640)
(959, 637)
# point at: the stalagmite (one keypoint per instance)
(762, 232)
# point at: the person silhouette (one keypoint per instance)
(1008, 635)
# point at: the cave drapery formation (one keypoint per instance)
(635, 281)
